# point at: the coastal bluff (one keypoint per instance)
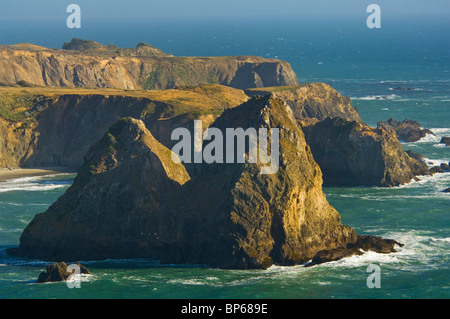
(84, 63)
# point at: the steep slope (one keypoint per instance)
(89, 64)
(45, 127)
(237, 217)
(114, 207)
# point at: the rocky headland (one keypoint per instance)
(89, 107)
(130, 199)
(312, 101)
(83, 63)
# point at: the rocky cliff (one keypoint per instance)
(131, 200)
(44, 127)
(89, 64)
(312, 101)
(351, 153)
(115, 205)
(255, 219)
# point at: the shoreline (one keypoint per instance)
(14, 173)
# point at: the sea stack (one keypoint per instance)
(131, 199)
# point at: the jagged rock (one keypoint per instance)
(445, 166)
(352, 154)
(363, 244)
(312, 101)
(445, 140)
(85, 63)
(406, 130)
(417, 156)
(114, 207)
(447, 190)
(436, 169)
(253, 219)
(58, 272)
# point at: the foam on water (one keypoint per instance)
(32, 184)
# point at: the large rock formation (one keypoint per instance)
(406, 130)
(114, 207)
(254, 219)
(351, 154)
(131, 200)
(89, 64)
(312, 101)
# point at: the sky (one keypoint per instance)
(50, 9)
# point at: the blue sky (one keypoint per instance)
(211, 8)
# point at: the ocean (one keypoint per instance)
(368, 65)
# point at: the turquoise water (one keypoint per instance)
(368, 67)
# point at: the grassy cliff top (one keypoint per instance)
(21, 103)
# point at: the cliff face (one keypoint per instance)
(61, 126)
(89, 64)
(114, 207)
(351, 153)
(313, 101)
(131, 200)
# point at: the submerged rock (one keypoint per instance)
(406, 130)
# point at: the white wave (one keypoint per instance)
(435, 162)
(31, 184)
(429, 138)
(419, 250)
(380, 97)
(441, 131)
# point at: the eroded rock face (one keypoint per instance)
(114, 207)
(351, 153)
(406, 130)
(313, 101)
(254, 220)
(90, 64)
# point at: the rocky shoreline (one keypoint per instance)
(131, 200)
